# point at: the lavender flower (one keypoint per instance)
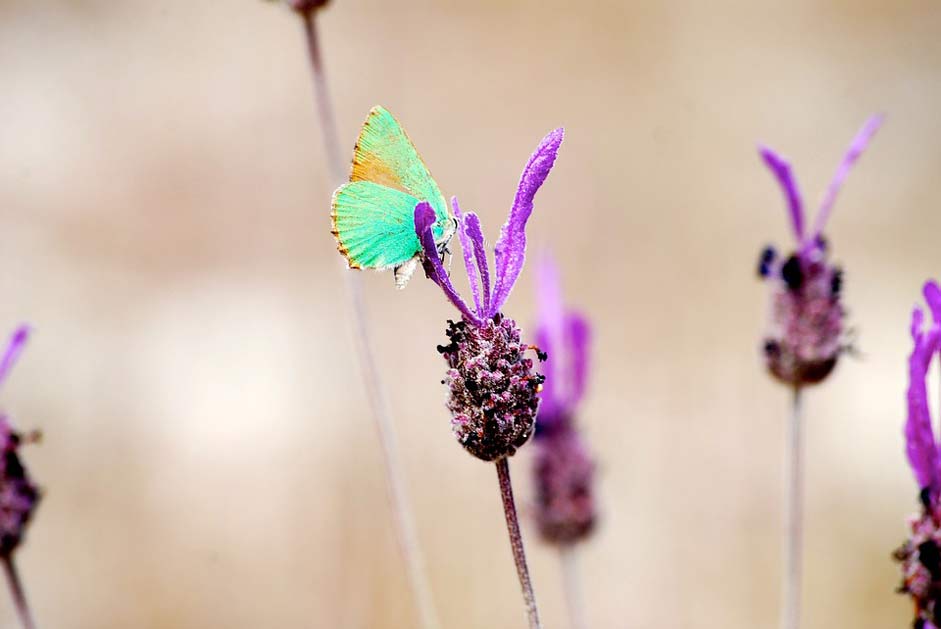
(18, 494)
(492, 386)
(563, 469)
(920, 555)
(806, 335)
(303, 7)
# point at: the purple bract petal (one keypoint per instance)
(510, 249)
(564, 336)
(579, 337)
(920, 443)
(932, 294)
(782, 171)
(424, 219)
(855, 150)
(472, 228)
(469, 253)
(549, 337)
(14, 347)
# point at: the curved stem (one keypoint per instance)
(572, 585)
(398, 494)
(793, 548)
(516, 543)
(17, 593)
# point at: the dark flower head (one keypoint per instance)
(564, 468)
(492, 386)
(304, 7)
(920, 555)
(564, 479)
(18, 494)
(806, 333)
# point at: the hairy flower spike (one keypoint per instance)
(18, 494)
(492, 387)
(806, 332)
(920, 555)
(564, 473)
(563, 469)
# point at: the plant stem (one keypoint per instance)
(516, 543)
(17, 593)
(572, 585)
(398, 494)
(328, 122)
(794, 541)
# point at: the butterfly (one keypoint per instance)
(373, 215)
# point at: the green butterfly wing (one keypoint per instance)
(373, 215)
(374, 225)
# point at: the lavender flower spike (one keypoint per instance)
(920, 555)
(563, 468)
(492, 387)
(18, 495)
(805, 338)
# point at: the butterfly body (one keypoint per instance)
(373, 214)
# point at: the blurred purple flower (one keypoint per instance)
(18, 494)
(564, 337)
(492, 386)
(303, 7)
(563, 467)
(920, 555)
(806, 336)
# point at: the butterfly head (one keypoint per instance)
(444, 231)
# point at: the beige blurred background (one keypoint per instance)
(209, 459)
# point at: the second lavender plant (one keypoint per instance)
(806, 335)
(564, 469)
